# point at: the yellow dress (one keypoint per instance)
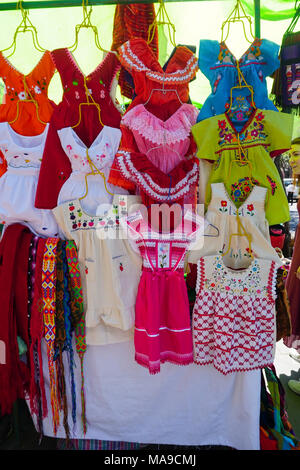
(244, 159)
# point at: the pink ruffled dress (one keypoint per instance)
(162, 319)
(165, 143)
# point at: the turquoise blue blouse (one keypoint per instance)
(218, 64)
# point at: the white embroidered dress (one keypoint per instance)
(222, 214)
(101, 153)
(18, 185)
(234, 324)
(110, 270)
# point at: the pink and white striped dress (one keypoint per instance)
(234, 326)
(162, 318)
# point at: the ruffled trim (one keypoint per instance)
(165, 356)
(136, 55)
(174, 129)
(158, 184)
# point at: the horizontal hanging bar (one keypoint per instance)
(77, 3)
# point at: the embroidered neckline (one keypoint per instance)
(237, 273)
(246, 125)
(11, 132)
(25, 75)
(230, 201)
(255, 42)
(76, 65)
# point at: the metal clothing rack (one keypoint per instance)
(30, 5)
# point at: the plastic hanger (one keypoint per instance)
(238, 14)
(161, 19)
(25, 26)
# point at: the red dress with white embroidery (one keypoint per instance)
(162, 319)
(154, 118)
(56, 167)
(234, 315)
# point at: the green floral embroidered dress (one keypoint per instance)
(266, 134)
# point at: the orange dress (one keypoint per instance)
(24, 118)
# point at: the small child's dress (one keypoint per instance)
(101, 154)
(110, 270)
(218, 64)
(234, 326)
(265, 135)
(162, 318)
(23, 116)
(222, 214)
(56, 167)
(18, 184)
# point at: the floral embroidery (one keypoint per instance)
(223, 207)
(272, 184)
(102, 94)
(240, 190)
(222, 124)
(22, 95)
(106, 222)
(216, 82)
(250, 209)
(163, 255)
(260, 116)
(121, 267)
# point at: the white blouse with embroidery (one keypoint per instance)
(222, 214)
(101, 155)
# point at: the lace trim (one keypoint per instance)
(149, 186)
(129, 59)
(175, 129)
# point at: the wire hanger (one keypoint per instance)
(163, 90)
(25, 26)
(89, 102)
(295, 19)
(86, 23)
(94, 172)
(238, 14)
(162, 19)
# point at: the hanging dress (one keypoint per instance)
(136, 56)
(18, 184)
(219, 65)
(265, 135)
(234, 315)
(109, 268)
(56, 167)
(18, 87)
(162, 318)
(101, 154)
(222, 214)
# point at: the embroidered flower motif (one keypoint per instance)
(102, 94)
(77, 95)
(240, 116)
(22, 95)
(250, 207)
(223, 207)
(229, 137)
(223, 203)
(259, 116)
(222, 124)
(121, 267)
(254, 133)
(86, 270)
(37, 90)
(272, 184)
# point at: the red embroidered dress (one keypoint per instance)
(137, 57)
(23, 117)
(56, 167)
(234, 315)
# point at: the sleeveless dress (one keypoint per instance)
(222, 214)
(18, 184)
(101, 153)
(18, 87)
(56, 167)
(219, 65)
(265, 135)
(234, 324)
(109, 269)
(162, 318)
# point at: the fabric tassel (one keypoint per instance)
(78, 313)
(49, 300)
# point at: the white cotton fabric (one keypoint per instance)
(18, 185)
(101, 153)
(191, 405)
